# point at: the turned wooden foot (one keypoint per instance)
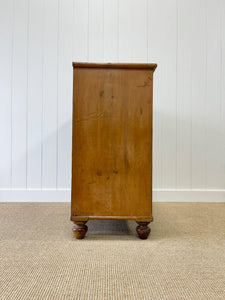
(143, 230)
(80, 229)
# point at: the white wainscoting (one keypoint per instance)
(63, 195)
(39, 39)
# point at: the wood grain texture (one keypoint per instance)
(112, 142)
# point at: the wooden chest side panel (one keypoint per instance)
(112, 142)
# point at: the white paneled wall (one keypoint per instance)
(39, 39)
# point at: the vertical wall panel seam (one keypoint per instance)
(118, 13)
(191, 125)
(221, 60)
(222, 70)
(191, 121)
(88, 31)
(176, 89)
(27, 104)
(147, 56)
(42, 104)
(12, 84)
(73, 14)
(132, 25)
(206, 88)
(161, 150)
(103, 31)
(57, 103)
(221, 86)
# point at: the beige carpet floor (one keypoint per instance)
(184, 258)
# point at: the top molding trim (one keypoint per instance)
(115, 65)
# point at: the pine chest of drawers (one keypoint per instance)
(112, 144)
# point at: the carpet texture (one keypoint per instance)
(184, 257)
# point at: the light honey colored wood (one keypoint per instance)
(112, 142)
